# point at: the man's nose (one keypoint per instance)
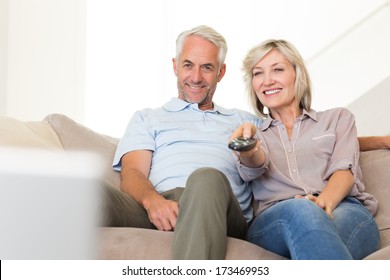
(196, 74)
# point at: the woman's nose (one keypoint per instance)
(268, 79)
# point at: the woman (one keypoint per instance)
(307, 182)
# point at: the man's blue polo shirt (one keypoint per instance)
(183, 139)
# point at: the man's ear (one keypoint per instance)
(222, 72)
(174, 64)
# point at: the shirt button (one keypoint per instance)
(294, 170)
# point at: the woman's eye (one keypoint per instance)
(258, 73)
(279, 69)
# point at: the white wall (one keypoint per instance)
(372, 110)
(129, 54)
(44, 65)
(100, 60)
(354, 63)
(3, 54)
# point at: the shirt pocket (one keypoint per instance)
(323, 145)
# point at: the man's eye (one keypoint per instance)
(208, 68)
(187, 65)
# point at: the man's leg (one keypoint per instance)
(208, 212)
(121, 210)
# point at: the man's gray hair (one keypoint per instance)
(208, 34)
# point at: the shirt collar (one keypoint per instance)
(177, 104)
(305, 114)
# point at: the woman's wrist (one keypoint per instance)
(253, 158)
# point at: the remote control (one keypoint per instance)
(241, 144)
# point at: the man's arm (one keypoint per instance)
(134, 181)
(368, 143)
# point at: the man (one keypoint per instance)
(175, 163)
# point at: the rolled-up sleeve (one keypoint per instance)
(346, 150)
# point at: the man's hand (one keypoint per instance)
(162, 212)
(134, 181)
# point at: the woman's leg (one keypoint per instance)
(356, 227)
(298, 229)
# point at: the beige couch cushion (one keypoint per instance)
(376, 176)
(21, 134)
(75, 136)
(125, 244)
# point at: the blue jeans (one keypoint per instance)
(299, 229)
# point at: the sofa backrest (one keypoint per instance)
(20, 134)
(75, 136)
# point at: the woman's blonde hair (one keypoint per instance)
(302, 84)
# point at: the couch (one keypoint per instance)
(58, 132)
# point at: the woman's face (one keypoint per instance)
(273, 81)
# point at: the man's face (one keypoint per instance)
(197, 71)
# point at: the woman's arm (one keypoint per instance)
(340, 172)
(337, 188)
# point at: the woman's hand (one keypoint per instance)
(247, 130)
(320, 202)
(338, 187)
(254, 157)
